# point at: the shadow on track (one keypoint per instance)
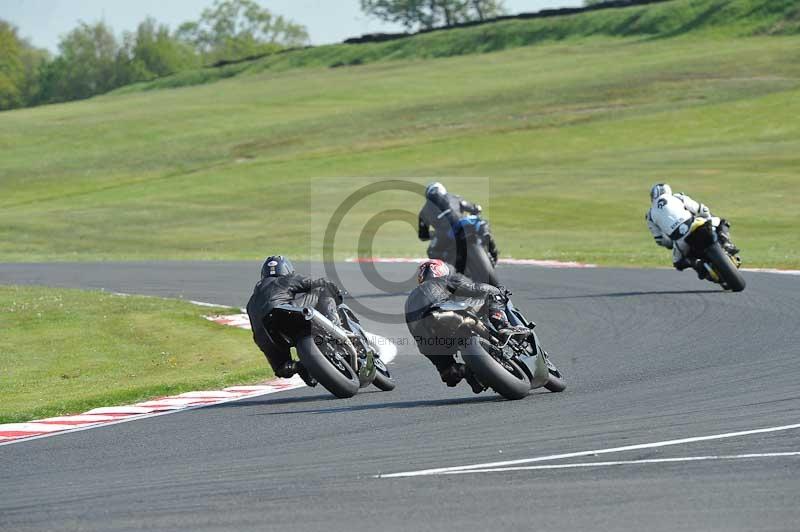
(633, 294)
(401, 405)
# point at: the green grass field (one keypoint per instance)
(66, 351)
(568, 133)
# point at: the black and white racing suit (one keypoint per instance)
(669, 219)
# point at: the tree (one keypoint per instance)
(19, 68)
(12, 72)
(231, 29)
(427, 14)
(153, 52)
(89, 64)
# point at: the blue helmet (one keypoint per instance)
(277, 266)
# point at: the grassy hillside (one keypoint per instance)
(728, 18)
(568, 134)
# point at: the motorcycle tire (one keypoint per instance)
(479, 266)
(508, 379)
(555, 383)
(338, 378)
(383, 380)
(726, 269)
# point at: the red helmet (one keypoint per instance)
(431, 269)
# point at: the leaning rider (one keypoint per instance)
(437, 284)
(279, 285)
(670, 217)
(443, 211)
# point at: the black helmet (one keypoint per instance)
(277, 266)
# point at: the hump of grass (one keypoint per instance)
(661, 20)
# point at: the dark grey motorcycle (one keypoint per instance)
(342, 359)
(511, 366)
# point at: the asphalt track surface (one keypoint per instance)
(651, 356)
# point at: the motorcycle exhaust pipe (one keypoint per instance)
(338, 333)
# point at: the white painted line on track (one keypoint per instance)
(625, 462)
(665, 443)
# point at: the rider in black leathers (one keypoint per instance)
(279, 285)
(438, 284)
(443, 211)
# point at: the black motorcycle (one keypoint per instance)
(342, 359)
(511, 366)
(721, 267)
(468, 250)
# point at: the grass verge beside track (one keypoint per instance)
(67, 351)
(570, 133)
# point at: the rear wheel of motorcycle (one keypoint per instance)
(479, 266)
(335, 374)
(504, 377)
(383, 380)
(725, 267)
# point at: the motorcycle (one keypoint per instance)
(510, 366)
(721, 267)
(342, 359)
(468, 250)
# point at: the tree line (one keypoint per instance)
(91, 59)
(428, 14)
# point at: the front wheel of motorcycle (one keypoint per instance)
(502, 375)
(556, 382)
(725, 267)
(383, 380)
(331, 370)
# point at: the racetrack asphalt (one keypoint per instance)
(650, 356)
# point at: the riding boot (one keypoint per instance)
(473, 381)
(700, 268)
(293, 367)
(501, 323)
(452, 374)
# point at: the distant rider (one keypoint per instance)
(438, 284)
(443, 211)
(279, 285)
(669, 219)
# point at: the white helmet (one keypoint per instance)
(659, 190)
(435, 189)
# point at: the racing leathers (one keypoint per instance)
(270, 292)
(422, 326)
(443, 212)
(670, 218)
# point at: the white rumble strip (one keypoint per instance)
(100, 417)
